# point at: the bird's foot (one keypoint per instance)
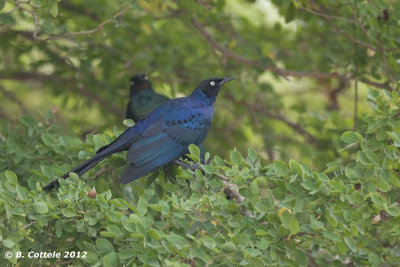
(187, 166)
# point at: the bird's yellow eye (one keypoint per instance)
(212, 83)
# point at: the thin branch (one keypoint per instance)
(101, 172)
(197, 167)
(116, 110)
(334, 94)
(4, 115)
(279, 71)
(355, 105)
(277, 116)
(321, 14)
(13, 98)
(229, 188)
(29, 225)
(376, 84)
(69, 34)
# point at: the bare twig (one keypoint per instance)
(232, 191)
(13, 98)
(101, 172)
(196, 167)
(69, 34)
(355, 105)
(29, 225)
(77, 88)
(229, 188)
(277, 116)
(279, 71)
(333, 95)
(321, 14)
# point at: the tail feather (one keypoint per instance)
(131, 173)
(120, 144)
(79, 170)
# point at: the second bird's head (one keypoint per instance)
(139, 82)
(210, 87)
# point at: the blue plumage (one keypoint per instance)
(142, 98)
(163, 135)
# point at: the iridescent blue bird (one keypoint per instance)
(142, 98)
(162, 136)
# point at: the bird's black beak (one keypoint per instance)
(225, 80)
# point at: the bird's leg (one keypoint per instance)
(186, 166)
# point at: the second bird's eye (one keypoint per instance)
(212, 83)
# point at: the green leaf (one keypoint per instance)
(68, 212)
(58, 229)
(40, 207)
(128, 122)
(236, 157)
(154, 234)
(254, 188)
(6, 19)
(8, 243)
(16, 237)
(372, 157)
(251, 154)
(293, 225)
(11, 177)
(382, 185)
(91, 257)
(301, 257)
(349, 137)
(194, 153)
(353, 171)
(27, 120)
(126, 254)
(110, 260)
(323, 177)
(177, 240)
(54, 9)
(48, 172)
(220, 162)
(104, 245)
(200, 254)
(290, 13)
(21, 192)
(142, 207)
(350, 243)
(229, 247)
(394, 136)
(280, 168)
(209, 169)
(114, 229)
(194, 150)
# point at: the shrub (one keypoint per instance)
(291, 216)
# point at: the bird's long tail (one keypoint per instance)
(79, 170)
(120, 144)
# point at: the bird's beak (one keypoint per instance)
(225, 80)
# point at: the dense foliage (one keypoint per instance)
(308, 132)
(291, 216)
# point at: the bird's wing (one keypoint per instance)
(168, 137)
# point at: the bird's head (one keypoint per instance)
(210, 87)
(139, 82)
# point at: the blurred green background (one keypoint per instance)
(302, 67)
